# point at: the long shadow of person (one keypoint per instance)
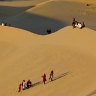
(55, 78)
(59, 76)
(37, 83)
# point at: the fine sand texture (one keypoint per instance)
(27, 51)
(21, 2)
(39, 16)
(71, 53)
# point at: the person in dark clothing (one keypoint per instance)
(49, 31)
(44, 78)
(29, 84)
(5, 24)
(51, 75)
(74, 22)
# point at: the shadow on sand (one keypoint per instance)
(55, 78)
(39, 23)
(10, 10)
(93, 93)
(60, 76)
(35, 23)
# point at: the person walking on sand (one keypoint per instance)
(51, 75)
(20, 86)
(24, 85)
(29, 84)
(44, 78)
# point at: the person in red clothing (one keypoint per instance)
(51, 75)
(44, 78)
(20, 87)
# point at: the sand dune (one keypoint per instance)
(71, 53)
(24, 55)
(21, 2)
(86, 1)
(11, 11)
(82, 1)
(50, 14)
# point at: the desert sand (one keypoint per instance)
(45, 14)
(27, 51)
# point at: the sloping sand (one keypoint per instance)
(71, 53)
(24, 55)
(85, 1)
(48, 14)
(21, 2)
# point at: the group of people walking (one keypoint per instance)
(26, 85)
(50, 77)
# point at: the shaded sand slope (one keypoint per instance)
(24, 55)
(36, 23)
(54, 15)
(21, 2)
(11, 11)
